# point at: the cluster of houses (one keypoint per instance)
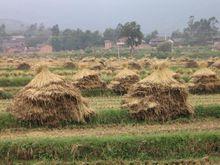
(16, 44)
(156, 41)
(122, 42)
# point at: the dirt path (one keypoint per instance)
(114, 130)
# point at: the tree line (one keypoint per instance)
(196, 32)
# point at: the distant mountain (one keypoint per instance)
(13, 25)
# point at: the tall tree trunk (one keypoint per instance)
(132, 51)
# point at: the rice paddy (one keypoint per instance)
(111, 135)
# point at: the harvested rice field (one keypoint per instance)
(76, 113)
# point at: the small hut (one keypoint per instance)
(88, 79)
(48, 100)
(123, 81)
(204, 81)
(158, 97)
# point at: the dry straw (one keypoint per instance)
(158, 96)
(204, 80)
(88, 79)
(123, 81)
(23, 66)
(48, 99)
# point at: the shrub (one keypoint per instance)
(165, 47)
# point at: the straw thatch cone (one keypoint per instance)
(48, 99)
(88, 79)
(158, 97)
(123, 81)
(204, 81)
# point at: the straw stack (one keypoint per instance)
(158, 97)
(123, 81)
(48, 100)
(204, 81)
(88, 79)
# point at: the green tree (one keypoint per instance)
(199, 32)
(55, 30)
(2, 30)
(56, 43)
(2, 35)
(165, 47)
(132, 31)
(110, 34)
(35, 35)
(150, 36)
(177, 34)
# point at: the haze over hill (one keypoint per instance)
(13, 25)
(163, 15)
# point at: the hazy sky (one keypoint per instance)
(164, 15)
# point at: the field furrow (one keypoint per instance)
(113, 130)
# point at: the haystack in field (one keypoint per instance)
(204, 81)
(123, 81)
(191, 64)
(157, 97)
(97, 66)
(23, 66)
(216, 64)
(134, 65)
(49, 100)
(70, 65)
(88, 79)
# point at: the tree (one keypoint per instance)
(56, 43)
(2, 30)
(199, 32)
(150, 36)
(110, 34)
(132, 31)
(165, 47)
(35, 35)
(177, 34)
(55, 30)
(2, 35)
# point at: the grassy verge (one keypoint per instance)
(204, 160)
(113, 116)
(130, 147)
(14, 81)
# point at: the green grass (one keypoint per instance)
(212, 159)
(126, 147)
(211, 111)
(97, 92)
(14, 81)
(111, 117)
(5, 95)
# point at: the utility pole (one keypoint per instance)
(118, 51)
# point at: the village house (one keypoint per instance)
(108, 44)
(14, 44)
(122, 41)
(216, 43)
(45, 49)
(156, 41)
